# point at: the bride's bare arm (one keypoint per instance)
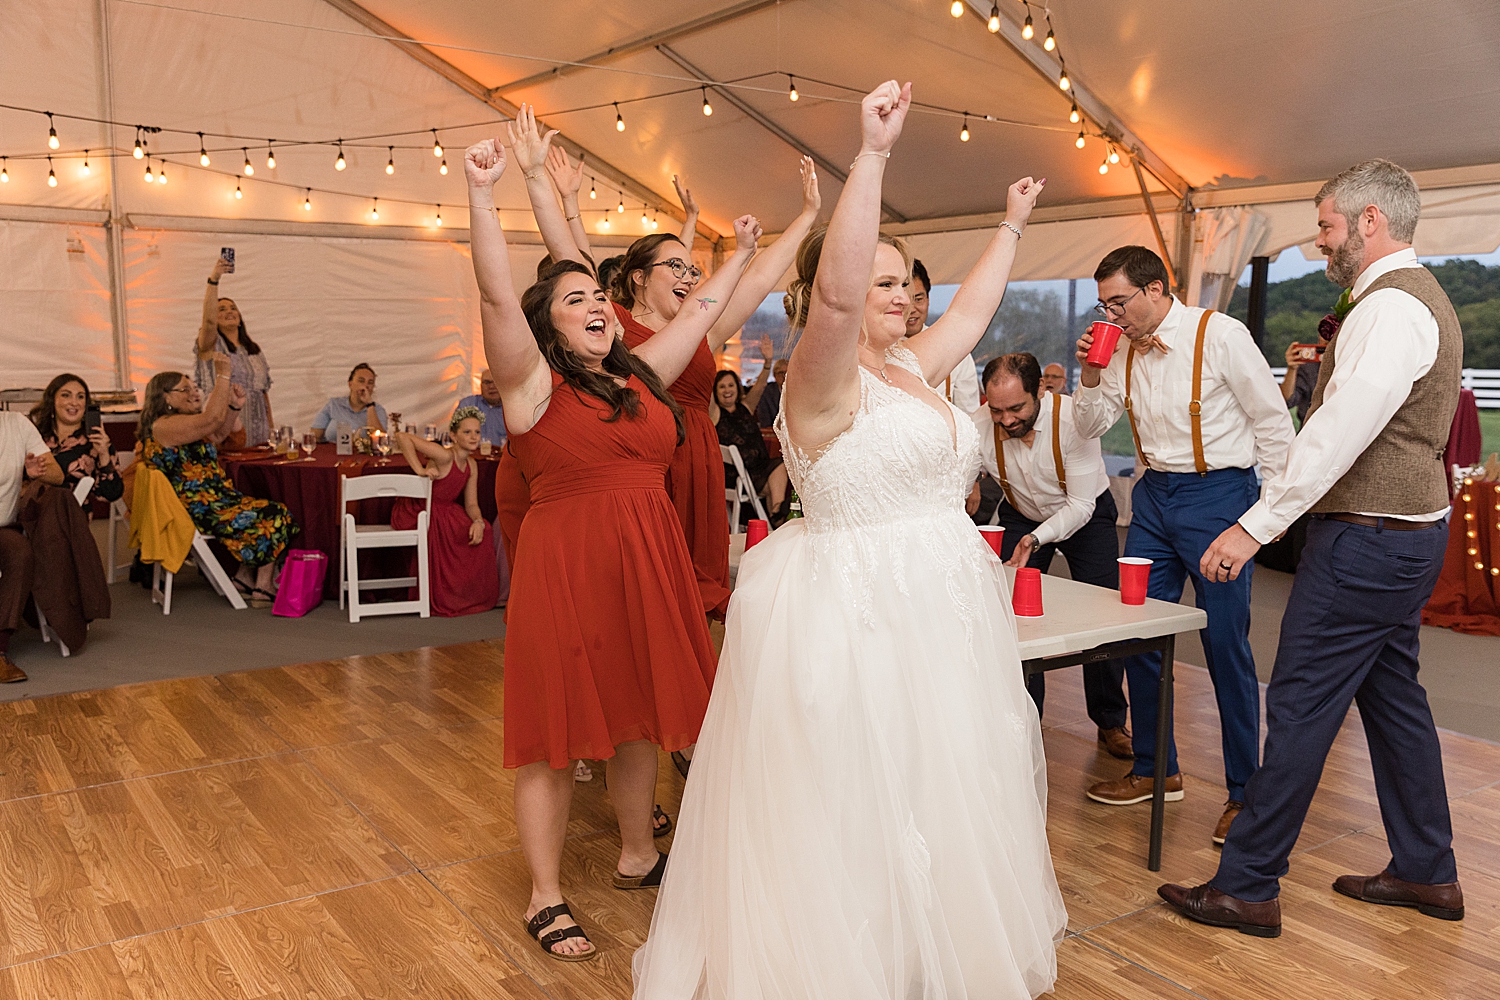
(941, 346)
(822, 391)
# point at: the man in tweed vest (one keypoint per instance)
(1368, 464)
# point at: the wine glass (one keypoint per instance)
(309, 444)
(430, 433)
(381, 443)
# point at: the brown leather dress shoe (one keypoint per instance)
(1208, 905)
(9, 672)
(1446, 902)
(1133, 788)
(1116, 742)
(1231, 810)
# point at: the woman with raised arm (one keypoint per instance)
(866, 813)
(654, 281)
(607, 654)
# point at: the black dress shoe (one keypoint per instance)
(1446, 902)
(1208, 905)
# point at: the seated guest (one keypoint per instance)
(1054, 379)
(770, 397)
(487, 402)
(462, 576)
(23, 455)
(730, 410)
(178, 433)
(79, 450)
(356, 410)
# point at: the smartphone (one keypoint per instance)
(92, 418)
(1309, 352)
(227, 255)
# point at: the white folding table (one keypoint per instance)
(1086, 624)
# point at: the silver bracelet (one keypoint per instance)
(872, 152)
(1012, 228)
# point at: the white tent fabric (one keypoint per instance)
(54, 304)
(1228, 238)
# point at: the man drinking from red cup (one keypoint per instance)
(1204, 411)
(1056, 498)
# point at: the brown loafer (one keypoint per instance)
(9, 672)
(1208, 905)
(1231, 810)
(1116, 743)
(1133, 788)
(1446, 902)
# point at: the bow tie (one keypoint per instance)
(1147, 344)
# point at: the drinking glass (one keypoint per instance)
(309, 444)
(430, 432)
(381, 443)
(285, 442)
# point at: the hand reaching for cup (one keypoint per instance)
(881, 116)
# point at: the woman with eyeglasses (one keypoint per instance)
(179, 431)
(654, 282)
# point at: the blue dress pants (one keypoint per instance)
(1174, 519)
(1350, 633)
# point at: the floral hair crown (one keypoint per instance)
(464, 413)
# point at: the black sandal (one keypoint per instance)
(681, 763)
(650, 880)
(665, 828)
(547, 915)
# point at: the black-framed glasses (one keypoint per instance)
(1116, 309)
(680, 268)
(179, 388)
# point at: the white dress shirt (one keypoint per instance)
(1245, 420)
(18, 438)
(1031, 471)
(1384, 346)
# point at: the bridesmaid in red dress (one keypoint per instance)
(460, 551)
(607, 650)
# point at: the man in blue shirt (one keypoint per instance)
(356, 410)
(488, 403)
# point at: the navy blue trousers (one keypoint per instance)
(1174, 518)
(1350, 633)
(1092, 553)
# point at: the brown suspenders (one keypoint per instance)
(1195, 405)
(1057, 459)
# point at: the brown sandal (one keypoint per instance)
(650, 880)
(547, 915)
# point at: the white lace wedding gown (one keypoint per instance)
(866, 813)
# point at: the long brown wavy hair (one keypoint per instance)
(251, 347)
(637, 259)
(798, 297)
(155, 404)
(536, 303)
(44, 414)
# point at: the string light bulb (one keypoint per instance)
(994, 22)
(340, 163)
(1050, 42)
(307, 201)
(1114, 155)
(593, 195)
(51, 176)
(1079, 142)
(437, 147)
(270, 156)
(963, 135)
(791, 93)
(645, 221)
(203, 160)
(150, 177)
(85, 168)
(619, 121)
(52, 142)
(138, 152)
(161, 174)
(238, 194)
(654, 221)
(248, 168)
(438, 218)
(708, 109)
(1104, 165)
(1027, 30)
(1063, 83)
(390, 163)
(1075, 116)
(620, 208)
(957, 10)
(604, 224)
(4, 172)
(374, 209)
(443, 167)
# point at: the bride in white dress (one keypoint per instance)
(866, 813)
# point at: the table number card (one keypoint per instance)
(345, 440)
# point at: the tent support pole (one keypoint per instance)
(1260, 272)
(114, 241)
(1185, 215)
(1161, 243)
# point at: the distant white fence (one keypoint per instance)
(1484, 381)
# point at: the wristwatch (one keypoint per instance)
(1036, 542)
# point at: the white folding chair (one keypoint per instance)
(81, 494)
(208, 566)
(744, 488)
(355, 537)
(118, 514)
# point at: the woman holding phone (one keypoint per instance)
(80, 446)
(223, 330)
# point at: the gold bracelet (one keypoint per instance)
(872, 152)
(1007, 225)
(531, 177)
(570, 218)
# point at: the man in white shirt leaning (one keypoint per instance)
(1204, 411)
(1369, 466)
(1056, 497)
(23, 455)
(961, 386)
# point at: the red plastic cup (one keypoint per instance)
(1135, 573)
(1106, 336)
(756, 531)
(994, 535)
(1026, 598)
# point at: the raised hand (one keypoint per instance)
(1021, 199)
(812, 198)
(881, 116)
(100, 440)
(222, 365)
(685, 195)
(767, 350)
(567, 176)
(220, 269)
(484, 162)
(527, 142)
(746, 232)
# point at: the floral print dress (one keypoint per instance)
(75, 454)
(254, 531)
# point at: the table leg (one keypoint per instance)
(1163, 728)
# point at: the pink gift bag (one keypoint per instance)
(301, 583)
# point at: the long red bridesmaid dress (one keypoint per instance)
(696, 477)
(512, 498)
(462, 579)
(606, 640)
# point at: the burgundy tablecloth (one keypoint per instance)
(1467, 595)
(310, 490)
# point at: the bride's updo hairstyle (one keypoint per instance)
(798, 295)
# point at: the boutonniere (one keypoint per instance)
(1343, 305)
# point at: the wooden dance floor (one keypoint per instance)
(343, 830)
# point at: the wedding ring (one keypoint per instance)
(1225, 565)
